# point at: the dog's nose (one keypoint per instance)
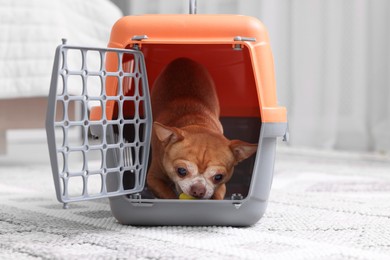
(198, 190)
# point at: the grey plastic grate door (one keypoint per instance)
(94, 155)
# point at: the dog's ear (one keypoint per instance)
(242, 150)
(167, 134)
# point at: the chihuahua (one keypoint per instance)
(190, 154)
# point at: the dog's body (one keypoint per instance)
(189, 152)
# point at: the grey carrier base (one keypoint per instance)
(235, 212)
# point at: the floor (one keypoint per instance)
(322, 205)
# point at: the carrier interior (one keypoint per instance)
(232, 72)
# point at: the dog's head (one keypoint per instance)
(199, 160)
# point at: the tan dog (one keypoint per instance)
(189, 152)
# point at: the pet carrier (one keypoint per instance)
(110, 87)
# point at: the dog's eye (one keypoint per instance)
(181, 172)
(218, 177)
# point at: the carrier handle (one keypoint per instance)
(192, 6)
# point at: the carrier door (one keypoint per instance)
(98, 122)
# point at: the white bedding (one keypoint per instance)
(30, 30)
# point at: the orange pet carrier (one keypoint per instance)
(236, 52)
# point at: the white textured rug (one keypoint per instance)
(322, 206)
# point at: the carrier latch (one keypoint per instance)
(236, 197)
(286, 136)
(238, 46)
(139, 38)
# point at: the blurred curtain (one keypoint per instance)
(332, 63)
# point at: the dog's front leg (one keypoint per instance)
(219, 193)
(160, 187)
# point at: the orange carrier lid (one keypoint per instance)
(235, 49)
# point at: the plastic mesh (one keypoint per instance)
(98, 123)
